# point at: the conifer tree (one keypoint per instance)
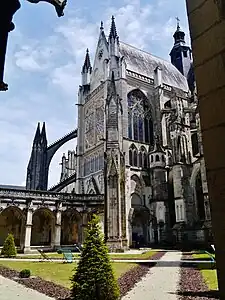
(9, 249)
(94, 277)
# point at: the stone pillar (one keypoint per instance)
(28, 227)
(57, 229)
(207, 24)
(84, 224)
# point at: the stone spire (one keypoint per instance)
(37, 135)
(114, 52)
(87, 63)
(86, 70)
(113, 32)
(43, 135)
(102, 26)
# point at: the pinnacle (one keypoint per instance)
(102, 26)
(113, 32)
(38, 133)
(87, 62)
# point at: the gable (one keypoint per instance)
(100, 62)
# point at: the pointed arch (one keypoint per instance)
(142, 157)
(140, 124)
(133, 156)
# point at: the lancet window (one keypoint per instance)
(140, 125)
(138, 158)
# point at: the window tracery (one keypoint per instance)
(138, 158)
(93, 164)
(140, 125)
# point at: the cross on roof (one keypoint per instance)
(178, 21)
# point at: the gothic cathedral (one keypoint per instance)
(138, 143)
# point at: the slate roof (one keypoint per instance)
(144, 63)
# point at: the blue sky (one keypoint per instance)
(44, 59)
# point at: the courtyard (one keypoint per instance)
(167, 278)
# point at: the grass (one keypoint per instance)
(209, 275)
(144, 255)
(58, 272)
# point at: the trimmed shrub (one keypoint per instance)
(9, 249)
(25, 273)
(94, 277)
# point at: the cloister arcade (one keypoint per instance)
(49, 223)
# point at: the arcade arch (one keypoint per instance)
(42, 233)
(71, 229)
(12, 221)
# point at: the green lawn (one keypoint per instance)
(209, 275)
(60, 273)
(145, 255)
(56, 271)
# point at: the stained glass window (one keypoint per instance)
(140, 126)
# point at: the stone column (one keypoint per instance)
(28, 228)
(83, 227)
(207, 24)
(57, 229)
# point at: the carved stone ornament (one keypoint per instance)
(58, 4)
(100, 54)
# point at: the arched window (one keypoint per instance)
(140, 125)
(157, 157)
(135, 158)
(145, 160)
(130, 157)
(140, 159)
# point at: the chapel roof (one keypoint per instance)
(144, 63)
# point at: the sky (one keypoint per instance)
(43, 65)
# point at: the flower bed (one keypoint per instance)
(192, 285)
(126, 281)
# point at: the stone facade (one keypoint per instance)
(150, 136)
(138, 144)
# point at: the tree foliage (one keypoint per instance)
(9, 248)
(94, 278)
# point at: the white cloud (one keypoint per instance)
(44, 73)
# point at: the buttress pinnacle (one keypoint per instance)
(37, 134)
(113, 32)
(87, 62)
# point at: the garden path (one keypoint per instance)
(161, 282)
(11, 290)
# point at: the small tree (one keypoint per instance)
(9, 249)
(94, 277)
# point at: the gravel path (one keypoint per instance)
(161, 282)
(11, 290)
